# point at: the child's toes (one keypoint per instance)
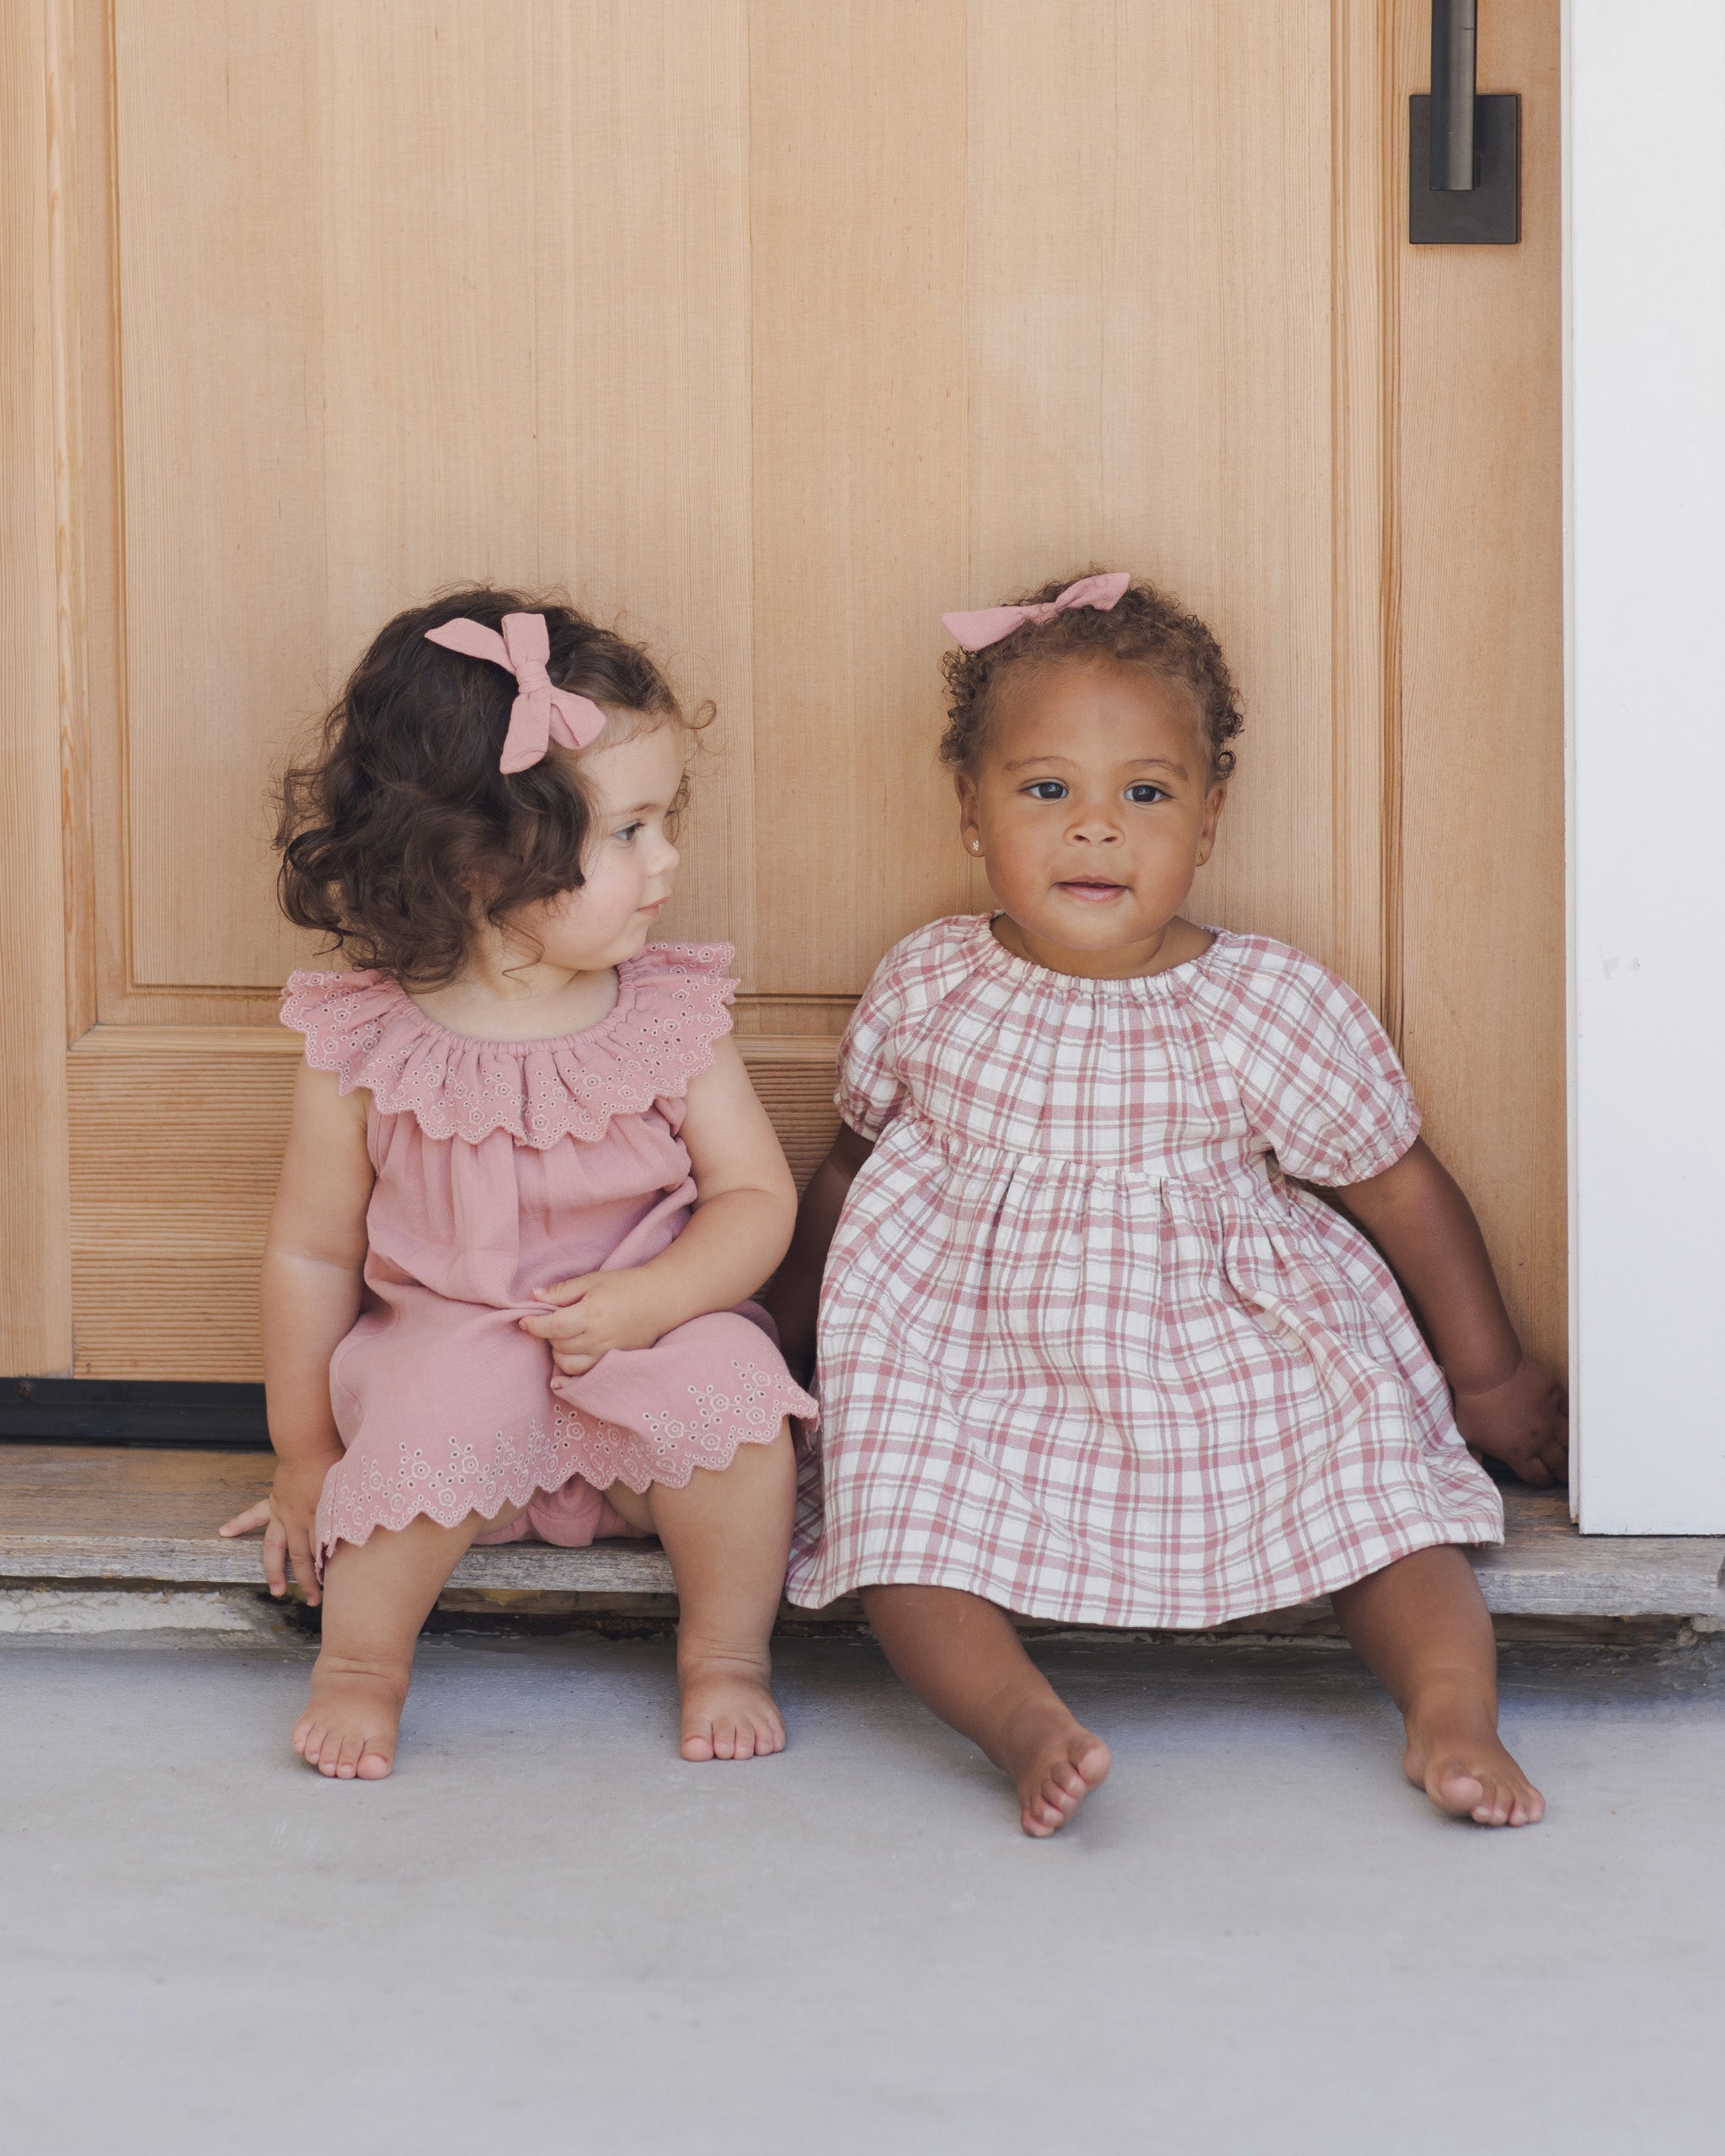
(1091, 1758)
(1520, 1802)
(1493, 1809)
(1455, 1792)
(374, 1762)
(728, 1716)
(1066, 1788)
(1057, 1803)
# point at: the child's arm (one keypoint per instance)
(745, 1203)
(1425, 1228)
(793, 1294)
(314, 1258)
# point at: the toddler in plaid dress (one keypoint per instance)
(1089, 1349)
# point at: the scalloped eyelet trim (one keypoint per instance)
(451, 1479)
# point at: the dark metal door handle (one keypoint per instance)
(1464, 150)
(1454, 37)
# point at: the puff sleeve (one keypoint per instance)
(1319, 1080)
(870, 1093)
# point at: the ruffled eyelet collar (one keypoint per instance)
(673, 1003)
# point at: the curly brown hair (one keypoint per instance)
(400, 823)
(1146, 627)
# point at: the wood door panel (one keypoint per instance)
(177, 1135)
(528, 367)
(776, 327)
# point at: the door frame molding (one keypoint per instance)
(38, 674)
(1644, 479)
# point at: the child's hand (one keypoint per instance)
(286, 1517)
(592, 1316)
(1524, 1421)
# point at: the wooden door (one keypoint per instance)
(776, 327)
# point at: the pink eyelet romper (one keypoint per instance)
(502, 1166)
(1086, 1350)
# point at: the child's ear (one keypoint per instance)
(970, 821)
(1213, 805)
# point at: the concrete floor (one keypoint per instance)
(548, 1934)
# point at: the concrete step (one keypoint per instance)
(79, 1513)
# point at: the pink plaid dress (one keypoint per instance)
(1085, 1349)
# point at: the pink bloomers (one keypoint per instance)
(504, 1166)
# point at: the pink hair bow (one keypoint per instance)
(541, 713)
(988, 624)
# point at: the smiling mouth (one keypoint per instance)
(1094, 888)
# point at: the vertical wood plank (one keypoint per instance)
(97, 878)
(1149, 361)
(1365, 860)
(65, 266)
(558, 306)
(220, 178)
(857, 155)
(641, 445)
(36, 1302)
(427, 246)
(1480, 509)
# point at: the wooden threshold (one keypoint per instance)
(71, 1512)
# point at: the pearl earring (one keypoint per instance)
(976, 846)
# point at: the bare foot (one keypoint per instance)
(1457, 1757)
(350, 1725)
(728, 1711)
(1054, 1760)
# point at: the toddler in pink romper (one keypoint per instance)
(505, 1166)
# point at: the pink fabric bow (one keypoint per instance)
(541, 713)
(988, 624)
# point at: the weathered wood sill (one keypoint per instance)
(79, 1513)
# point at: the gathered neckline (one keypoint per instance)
(626, 994)
(1166, 981)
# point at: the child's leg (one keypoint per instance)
(1422, 1627)
(376, 1595)
(962, 1657)
(727, 1535)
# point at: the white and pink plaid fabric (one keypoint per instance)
(1084, 1349)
